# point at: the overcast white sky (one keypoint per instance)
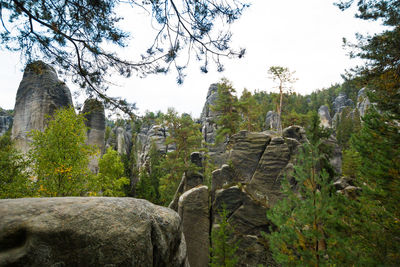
(305, 36)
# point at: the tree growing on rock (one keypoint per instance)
(185, 134)
(227, 108)
(223, 249)
(284, 78)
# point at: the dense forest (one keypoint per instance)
(326, 215)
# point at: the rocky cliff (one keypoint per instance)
(6, 121)
(247, 185)
(87, 231)
(39, 94)
(93, 111)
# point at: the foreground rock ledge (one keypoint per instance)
(76, 231)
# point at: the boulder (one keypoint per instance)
(6, 121)
(272, 121)
(93, 111)
(77, 231)
(324, 117)
(39, 94)
(194, 211)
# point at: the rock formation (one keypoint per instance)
(194, 211)
(272, 121)
(362, 102)
(6, 121)
(76, 231)
(208, 119)
(324, 117)
(340, 102)
(39, 94)
(93, 111)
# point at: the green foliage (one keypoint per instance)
(223, 250)
(110, 180)
(227, 108)
(15, 178)
(284, 77)
(149, 180)
(250, 111)
(49, 29)
(348, 123)
(309, 228)
(185, 135)
(60, 156)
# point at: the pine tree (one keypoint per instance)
(284, 78)
(309, 227)
(227, 108)
(250, 111)
(223, 250)
(185, 135)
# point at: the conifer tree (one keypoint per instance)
(223, 249)
(309, 227)
(227, 108)
(284, 77)
(250, 111)
(185, 135)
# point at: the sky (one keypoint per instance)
(305, 36)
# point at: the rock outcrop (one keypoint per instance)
(208, 120)
(324, 117)
(39, 94)
(363, 102)
(78, 231)
(194, 211)
(93, 111)
(250, 184)
(341, 102)
(6, 121)
(272, 121)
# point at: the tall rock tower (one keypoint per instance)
(39, 94)
(93, 111)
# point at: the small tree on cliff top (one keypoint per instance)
(284, 79)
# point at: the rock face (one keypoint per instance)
(93, 111)
(6, 121)
(362, 102)
(340, 102)
(272, 121)
(153, 134)
(324, 117)
(39, 94)
(194, 211)
(77, 231)
(250, 184)
(208, 119)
